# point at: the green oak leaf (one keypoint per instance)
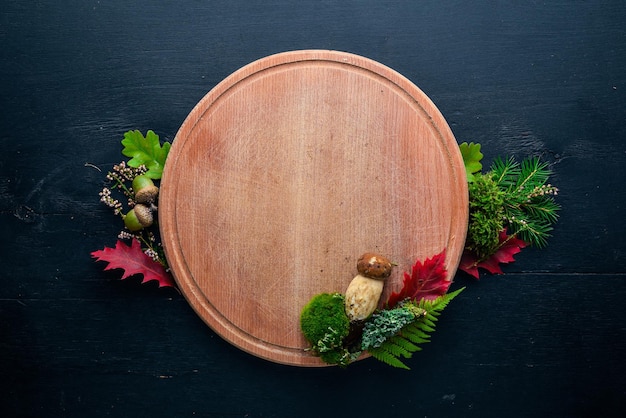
(147, 151)
(471, 157)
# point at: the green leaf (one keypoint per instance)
(471, 157)
(146, 151)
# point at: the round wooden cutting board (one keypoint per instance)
(290, 169)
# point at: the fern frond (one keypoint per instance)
(415, 335)
(397, 349)
(387, 358)
(408, 340)
(435, 307)
(426, 327)
(431, 320)
(407, 346)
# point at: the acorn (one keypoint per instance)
(145, 190)
(364, 291)
(138, 217)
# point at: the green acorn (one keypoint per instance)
(138, 217)
(145, 190)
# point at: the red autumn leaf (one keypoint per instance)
(509, 246)
(426, 281)
(134, 261)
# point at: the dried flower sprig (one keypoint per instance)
(137, 191)
(123, 173)
(121, 179)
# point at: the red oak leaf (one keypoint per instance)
(133, 261)
(426, 281)
(509, 246)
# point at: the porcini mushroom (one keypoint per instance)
(365, 289)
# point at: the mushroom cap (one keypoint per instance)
(374, 266)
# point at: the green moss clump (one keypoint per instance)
(325, 324)
(486, 215)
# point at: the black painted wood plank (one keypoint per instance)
(522, 78)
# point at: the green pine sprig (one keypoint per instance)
(529, 206)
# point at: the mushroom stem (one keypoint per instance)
(362, 297)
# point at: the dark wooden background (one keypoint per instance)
(547, 339)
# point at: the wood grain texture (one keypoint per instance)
(289, 170)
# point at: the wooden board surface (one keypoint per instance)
(285, 173)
